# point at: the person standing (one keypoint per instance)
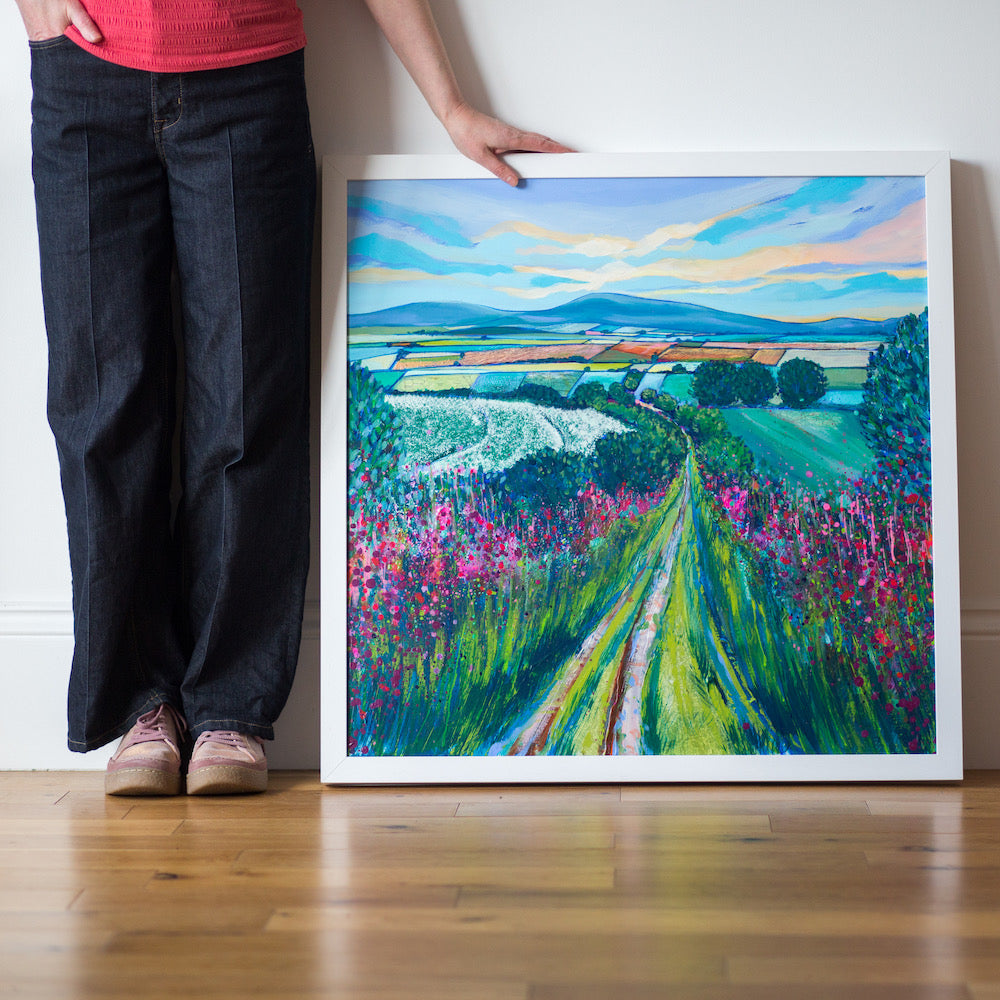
(171, 142)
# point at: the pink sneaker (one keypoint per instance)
(148, 759)
(227, 763)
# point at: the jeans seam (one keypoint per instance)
(161, 125)
(180, 104)
(211, 619)
(87, 499)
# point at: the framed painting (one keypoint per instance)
(642, 471)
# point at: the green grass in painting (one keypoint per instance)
(686, 710)
(435, 383)
(809, 448)
(562, 381)
(386, 379)
(678, 386)
(845, 378)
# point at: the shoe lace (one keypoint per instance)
(152, 727)
(236, 741)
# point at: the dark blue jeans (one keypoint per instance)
(209, 177)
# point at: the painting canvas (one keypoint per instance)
(643, 470)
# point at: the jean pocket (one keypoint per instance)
(41, 44)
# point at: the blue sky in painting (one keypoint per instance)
(786, 248)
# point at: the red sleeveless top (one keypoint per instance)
(180, 36)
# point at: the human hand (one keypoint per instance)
(485, 140)
(46, 19)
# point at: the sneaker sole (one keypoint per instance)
(141, 781)
(224, 780)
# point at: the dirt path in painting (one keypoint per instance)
(624, 732)
(628, 632)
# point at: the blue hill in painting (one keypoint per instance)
(611, 312)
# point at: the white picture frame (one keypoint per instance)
(339, 766)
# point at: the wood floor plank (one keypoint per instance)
(102, 977)
(820, 822)
(68, 877)
(985, 991)
(778, 971)
(69, 807)
(415, 833)
(444, 854)
(386, 877)
(594, 805)
(732, 991)
(119, 855)
(857, 928)
(136, 912)
(34, 900)
(730, 801)
(361, 957)
(44, 934)
(47, 783)
(987, 859)
(968, 805)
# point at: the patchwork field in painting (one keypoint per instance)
(626, 523)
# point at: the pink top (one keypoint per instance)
(180, 36)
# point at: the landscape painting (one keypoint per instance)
(640, 467)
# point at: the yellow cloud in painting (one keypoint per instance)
(596, 245)
(381, 275)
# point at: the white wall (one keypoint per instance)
(602, 76)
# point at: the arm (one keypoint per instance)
(50, 18)
(409, 27)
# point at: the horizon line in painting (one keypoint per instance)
(639, 466)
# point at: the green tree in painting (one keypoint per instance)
(639, 460)
(591, 394)
(895, 409)
(715, 383)
(544, 395)
(719, 451)
(725, 455)
(755, 384)
(665, 402)
(632, 379)
(617, 393)
(372, 433)
(547, 477)
(801, 383)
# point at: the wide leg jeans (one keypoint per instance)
(193, 597)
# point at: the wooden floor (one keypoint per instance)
(634, 892)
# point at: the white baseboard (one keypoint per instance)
(47, 621)
(37, 620)
(981, 623)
